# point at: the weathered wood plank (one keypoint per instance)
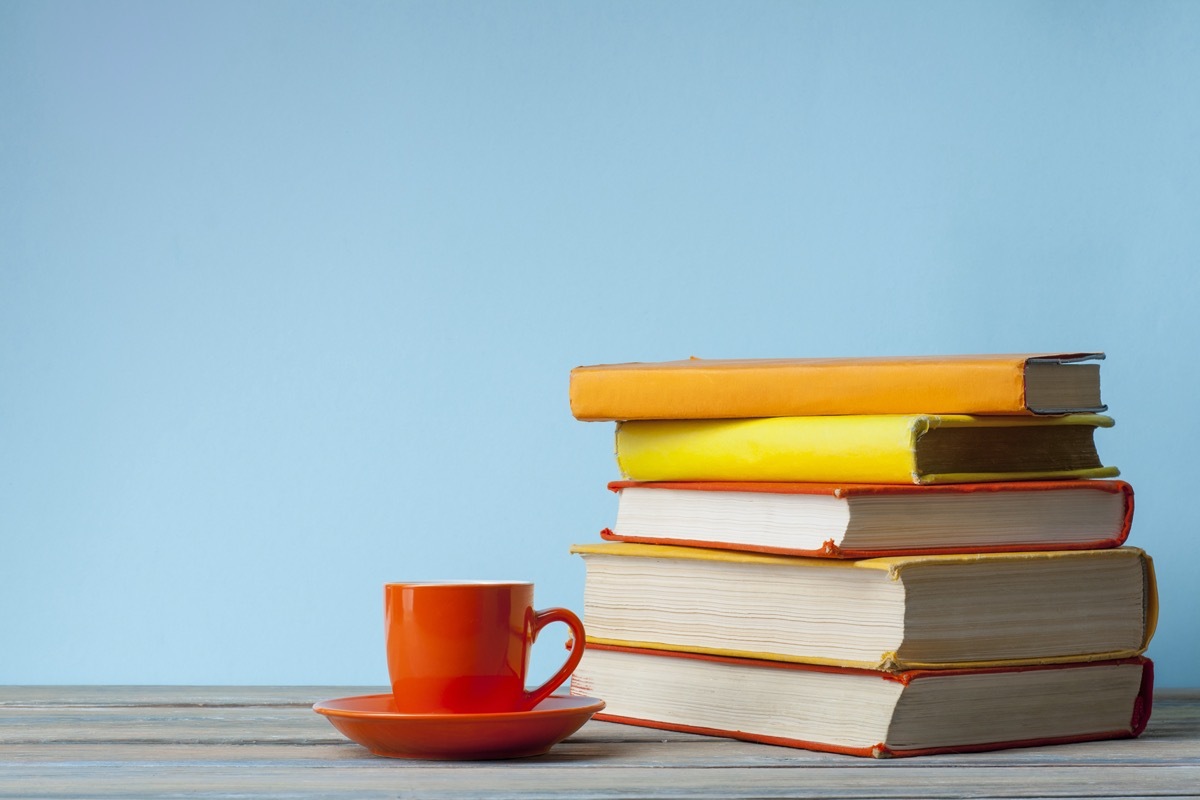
(298, 724)
(707, 753)
(189, 724)
(387, 779)
(1172, 736)
(258, 741)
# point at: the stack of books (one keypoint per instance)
(876, 556)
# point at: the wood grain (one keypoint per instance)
(141, 742)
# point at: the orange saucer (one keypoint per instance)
(372, 721)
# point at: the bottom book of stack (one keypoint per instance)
(868, 712)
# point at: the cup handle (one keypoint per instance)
(540, 620)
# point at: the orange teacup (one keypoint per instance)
(464, 647)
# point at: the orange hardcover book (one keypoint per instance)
(869, 520)
(1045, 383)
(866, 713)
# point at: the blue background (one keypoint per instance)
(290, 292)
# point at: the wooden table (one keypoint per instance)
(250, 742)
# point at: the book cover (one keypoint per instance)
(866, 713)
(870, 520)
(1046, 383)
(896, 613)
(916, 449)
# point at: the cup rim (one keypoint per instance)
(455, 584)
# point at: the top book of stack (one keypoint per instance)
(1021, 384)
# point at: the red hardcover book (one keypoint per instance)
(868, 520)
(867, 713)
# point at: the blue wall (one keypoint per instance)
(289, 292)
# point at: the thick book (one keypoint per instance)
(866, 520)
(1041, 383)
(865, 713)
(897, 613)
(894, 448)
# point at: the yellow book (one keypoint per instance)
(889, 448)
(895, 613)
